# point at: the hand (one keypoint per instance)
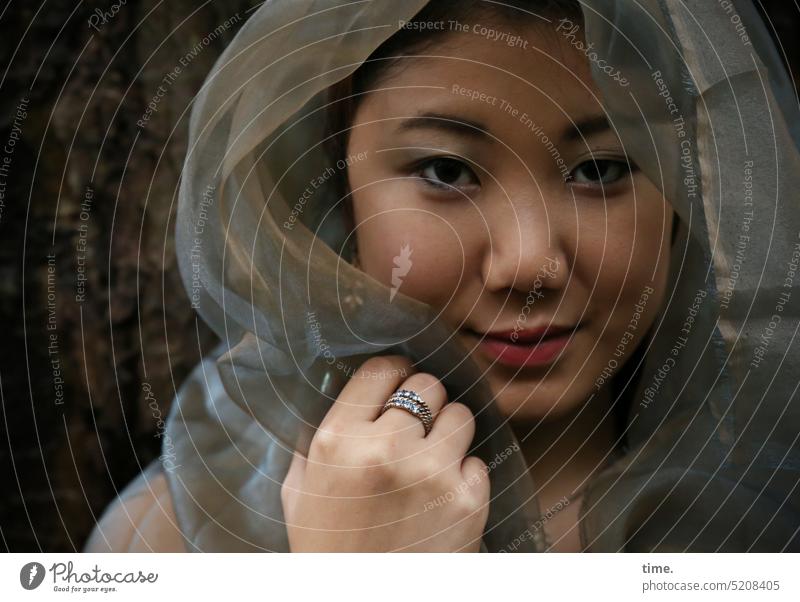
(376, 483)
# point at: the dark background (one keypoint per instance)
(65, 453)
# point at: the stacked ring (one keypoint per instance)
(414, 404)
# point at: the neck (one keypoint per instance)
(563, 452)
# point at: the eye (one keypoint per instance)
(600, 171)
(447, 173)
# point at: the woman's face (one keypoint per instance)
(491, 186)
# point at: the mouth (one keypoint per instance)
(525, 347)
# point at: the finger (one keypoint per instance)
(476, 476)
(452, 432)
(364, 394)
(432, 392)
(295, 476)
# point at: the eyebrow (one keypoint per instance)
(585, 128)
(456, 125)
(451, 124)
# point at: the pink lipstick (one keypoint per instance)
(530, 347)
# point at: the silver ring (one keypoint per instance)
(412, 403)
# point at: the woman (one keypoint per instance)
(564, 239)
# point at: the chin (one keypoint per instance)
(524, 402)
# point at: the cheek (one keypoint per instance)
(405, 245)
(624, 242)
(632, 262)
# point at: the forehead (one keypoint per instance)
(529, 67)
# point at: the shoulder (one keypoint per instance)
(140, 519)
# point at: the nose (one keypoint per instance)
(525, 248)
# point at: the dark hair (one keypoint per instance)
(343, 99)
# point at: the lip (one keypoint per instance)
(528, 347)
